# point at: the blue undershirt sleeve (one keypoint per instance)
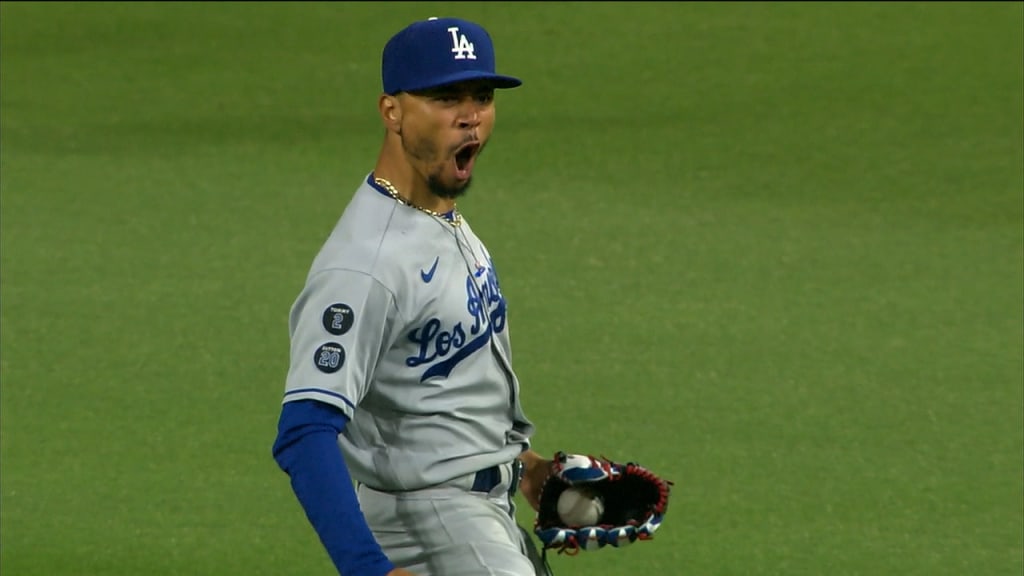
(306, 448)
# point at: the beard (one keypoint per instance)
(438, 188)
(428, 152)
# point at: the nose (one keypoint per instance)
(469, 114)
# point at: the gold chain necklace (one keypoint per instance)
(455, 219)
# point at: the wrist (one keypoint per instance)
(531, 460)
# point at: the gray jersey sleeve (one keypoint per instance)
(339, 326)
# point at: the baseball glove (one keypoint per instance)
(634, 503)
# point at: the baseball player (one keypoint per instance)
(400, 371)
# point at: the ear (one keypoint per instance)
(390, 112)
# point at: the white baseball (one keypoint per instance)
(579, 507)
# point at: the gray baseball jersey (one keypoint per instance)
(402, 325)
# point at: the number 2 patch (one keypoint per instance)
(338, 318)
(329, 357)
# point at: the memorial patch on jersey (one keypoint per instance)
(338, 318)
(329, 357)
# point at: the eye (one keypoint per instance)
(485, 97)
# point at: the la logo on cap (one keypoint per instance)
(461, 46)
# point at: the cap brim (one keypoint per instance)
(495, 80)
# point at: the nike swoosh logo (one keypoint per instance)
(428, 276)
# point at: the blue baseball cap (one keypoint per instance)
(440, 51)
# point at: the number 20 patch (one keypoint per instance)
(329, 357)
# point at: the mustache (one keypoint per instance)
(469, 138)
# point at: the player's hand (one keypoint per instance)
(536, 470)
(400, 572)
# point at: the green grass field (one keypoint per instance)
(772, 251)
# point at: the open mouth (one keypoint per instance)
(464, 157)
